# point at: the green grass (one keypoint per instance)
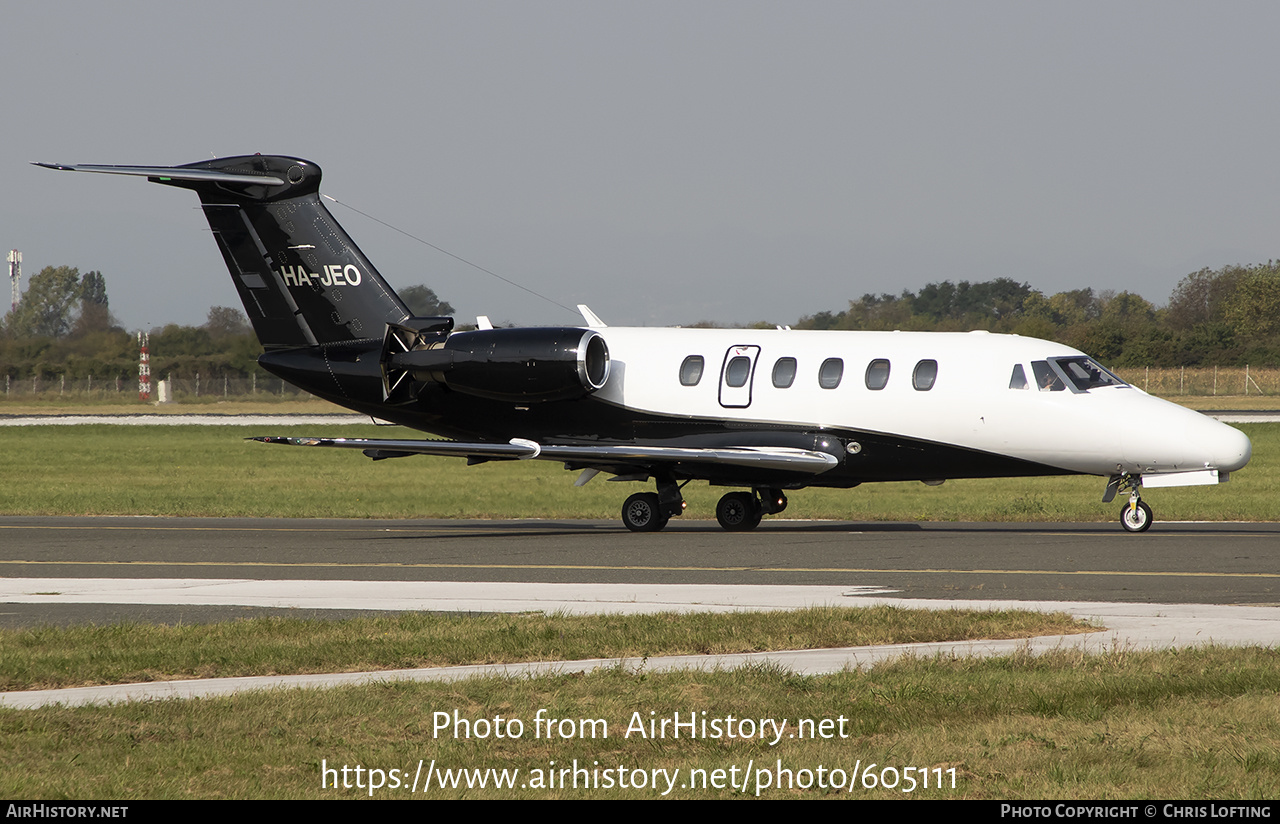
(50, 657)
(1189, 724)
(213, 471)
(263, 404)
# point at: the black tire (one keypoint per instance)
(641, 513)
(739, 512)
(1136, 520)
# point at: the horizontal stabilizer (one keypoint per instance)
(168, 173)
(778, 459)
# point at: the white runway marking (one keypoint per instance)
(433, 596)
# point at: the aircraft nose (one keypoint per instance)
(1231, 448)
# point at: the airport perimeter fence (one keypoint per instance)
(123, 389)
(1169, 382)
(1172, 382)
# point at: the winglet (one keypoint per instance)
(592, 319)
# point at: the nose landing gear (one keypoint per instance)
(1135, 516)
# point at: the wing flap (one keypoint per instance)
(783, 459)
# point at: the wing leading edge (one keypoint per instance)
(778, 459)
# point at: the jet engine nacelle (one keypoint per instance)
(529, 365)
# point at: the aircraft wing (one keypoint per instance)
(784, 459)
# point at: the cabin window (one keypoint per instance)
(925, 374)
(877, 374)
(1086, 374)
(830, 373)
(691, 370)
(784, 372)
(1018, 380)
(1046, 379)
(737, 372)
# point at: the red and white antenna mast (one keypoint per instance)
(144, 367)
(15, 275)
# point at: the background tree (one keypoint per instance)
(225, 322)
(95, 315)
(48, 307)
(423, 303)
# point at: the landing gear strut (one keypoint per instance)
(1135, 516)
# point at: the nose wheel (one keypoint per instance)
(1136, 516)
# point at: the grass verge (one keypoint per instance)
(50, 657)
(213, 471)
(1190, 724)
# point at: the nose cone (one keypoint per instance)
(1231, 449)
(1172, 438)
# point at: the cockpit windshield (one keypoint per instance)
(1086, 373)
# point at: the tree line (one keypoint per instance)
(1225, 317)
(63, 327)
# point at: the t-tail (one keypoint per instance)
(302, 280)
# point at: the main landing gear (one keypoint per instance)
(642, 513)
(736, 511)
(1135, 516)
(742, 511)
(650, 511)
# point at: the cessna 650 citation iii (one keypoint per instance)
(765, 411)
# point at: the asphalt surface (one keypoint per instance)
(1218, 563)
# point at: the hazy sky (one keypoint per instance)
(661, 162)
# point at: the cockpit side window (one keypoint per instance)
(1046, 379)
(691, 370)
(1086, 374)
(1018, 380)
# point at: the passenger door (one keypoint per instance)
(736, 376)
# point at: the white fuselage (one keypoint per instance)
(971, 403)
